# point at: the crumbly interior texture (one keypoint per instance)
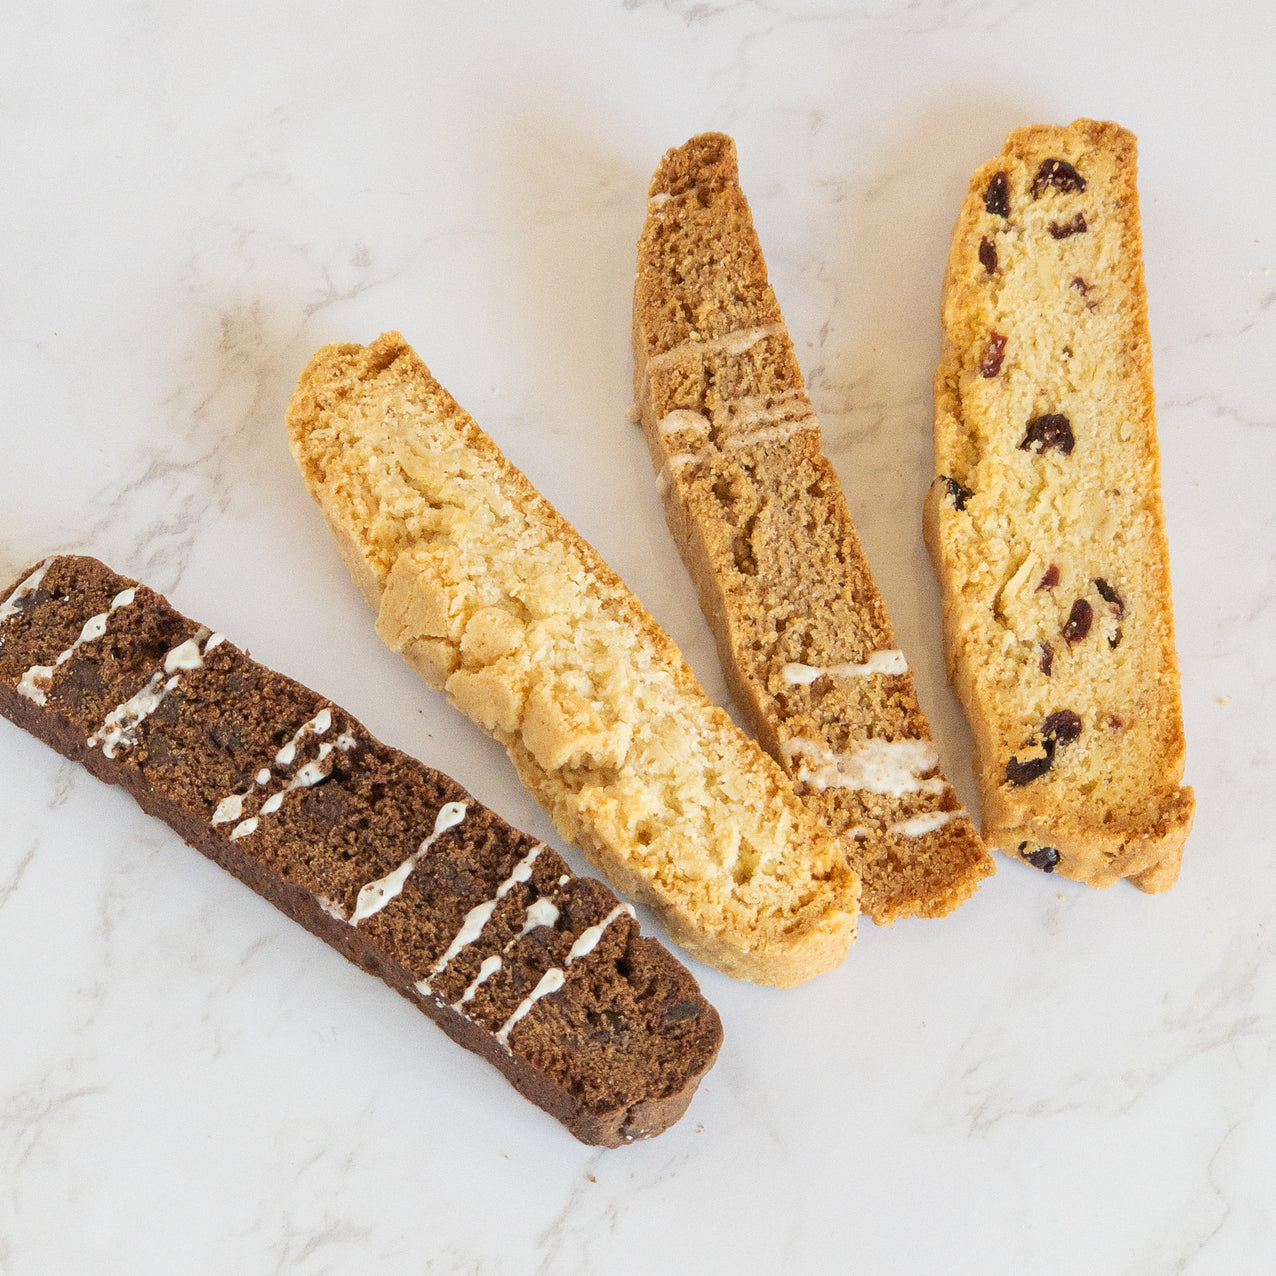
(491, 596)
(763, 526)
(1045, 521)
(291, 794)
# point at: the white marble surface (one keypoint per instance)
(1053, 1080)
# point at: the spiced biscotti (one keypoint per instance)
(1045, 520)
(491, 596)
(487, 931)
(763, 526)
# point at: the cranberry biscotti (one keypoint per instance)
(762, 524)
(1045, 521)
(487, 931)
(492, 597)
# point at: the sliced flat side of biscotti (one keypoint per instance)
(763, 526)
(492, 597)
(481, 927)
(1045, 520)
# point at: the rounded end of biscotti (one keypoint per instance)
(1145, 848)
(707, 159)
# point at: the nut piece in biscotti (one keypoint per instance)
(491, 596)
(761, 522)
(483, 928)
(1045, 521)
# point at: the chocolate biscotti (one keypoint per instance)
(762, 524)
(541, 972)
(1045, 520)
(491, 596)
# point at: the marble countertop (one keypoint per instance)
(1052, 1080)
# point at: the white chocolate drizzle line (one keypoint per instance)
(920, 825)
(479, 916)
(119, 728)
(231, 807)
(13, 604)
(35, 683)
(892, 767)
(554, 978)
(729, 343)
(781, 428)
(376, 895)
(888, 661)
(542, 911)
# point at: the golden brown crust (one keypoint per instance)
(761, 522)
(1045, 522)
(492, 596)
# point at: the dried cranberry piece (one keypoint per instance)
(1080, 285)
(1049, 578)
(994, 353)
(1063, 726)
(1047, 658)
(997, 196)
(1021, 773)
(1062, 230)
(1044, 857)
(1080, 618)
(1110, 596)
(1059, 174)
(959, 494)
(1051, 432)
(988, 255)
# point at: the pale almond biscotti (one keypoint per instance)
(1045, 520)
(491, 596)
(762, 524)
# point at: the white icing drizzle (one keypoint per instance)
(892, 767)
(888, 661)
(307, 776)
(729, 343)
(781, 426)
(376, 895)
(331, 907)
(682, 419)
(34, 684)
(554, 978)
(314, 726)
(542, 911)
(13, 604)
(478, 916)
(119, 726)
(920, 825)
(488, 968)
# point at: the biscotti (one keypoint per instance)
(487, 931)
(763, 526)
(1045, 521)
(491, 596)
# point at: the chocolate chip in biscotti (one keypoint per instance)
(1065, 230)
(994, 353)
(997, 196)
(1058, 174)
(1051, 432)
(1080, 618)
(988, 255)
